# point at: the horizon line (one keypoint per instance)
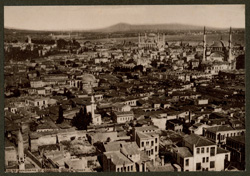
(89, 30)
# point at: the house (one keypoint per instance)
(197, 128)
(129, 150)
(175, 125)
(123, 117)
(147, 139)
(36, 83)
(200, 154)
(236, 145)
(37, 101)
(120, 107)
(219, 134)
(117, 162)
(94, 137)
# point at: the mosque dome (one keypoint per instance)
(88, 78)
(218, 44)
(152, 35)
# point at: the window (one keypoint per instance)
(142, 144)
(202, 150)
(212, 151)
(152, 143)
(131, 168)
(198, 166)
(118, 169)
(208, 150)
(207, 160)
(203, 160)
(147, 143)
(211, 164)
(226, 157)
(152, 151)
(198, 150)
(124, 169)
(128, 168)
(155, 148)
(187, 162)
(44, 102)
(156, 140)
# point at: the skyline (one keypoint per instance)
(82, 17)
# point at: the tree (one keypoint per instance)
(81, 120)
(60, 115)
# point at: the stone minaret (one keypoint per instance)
(21, 157)
(92, 108)
(204, 45)
(139, 40)
(230, 46)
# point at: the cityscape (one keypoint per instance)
(124, 96)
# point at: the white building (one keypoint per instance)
(200, 154)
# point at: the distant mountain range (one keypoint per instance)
(125, 27)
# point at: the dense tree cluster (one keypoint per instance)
(82, 119)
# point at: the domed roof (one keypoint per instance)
(218, 44)
(217, 54)
(87, 78)
(151, 35)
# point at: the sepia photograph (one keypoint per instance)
(124, 88)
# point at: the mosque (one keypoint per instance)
(151, 41)
(217, 56)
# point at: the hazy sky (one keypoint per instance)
(92, 17)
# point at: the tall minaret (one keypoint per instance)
(204, 45)
(230, 46)
(21, 157)
(164, 39)
(92, 108)
(139, 40)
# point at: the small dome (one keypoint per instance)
(88, 78)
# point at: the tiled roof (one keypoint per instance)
(221, 150)
(219, 128)
(184, 152)
(130, 148)
(118, 158)
(198, 141)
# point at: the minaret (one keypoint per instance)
(204, 44)
(230, 46)
(20, 157)
(139, 40)
(164, 39)
(29, 40)
(92, 108)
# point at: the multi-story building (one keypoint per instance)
(147, 139)
(123, 117)
(236, 145)
(218, 134)
(200, 154)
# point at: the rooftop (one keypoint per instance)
(198, 141)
